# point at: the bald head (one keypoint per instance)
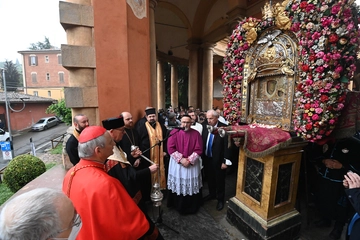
(127, 119)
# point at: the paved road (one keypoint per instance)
(41, 140)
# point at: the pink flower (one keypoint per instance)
(320, 54)
(331, 121)
(318, 110)
(335, 9)
(319, 69)
(315, 117)
(338, 69)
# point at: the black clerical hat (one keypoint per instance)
(113, 123)
(150, 111)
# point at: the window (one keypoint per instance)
(48, 76)
(33, 60)
(46, 59)
(34, 77)
(36, 93)
(49, 93)
(61, 77)
(59, 59)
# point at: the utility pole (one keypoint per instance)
(8, 115)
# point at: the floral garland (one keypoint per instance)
(328, 41)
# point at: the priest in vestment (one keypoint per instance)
(184, 179)
(120, 168)
(151, 134)
(106, 209)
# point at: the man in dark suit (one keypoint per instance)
(215, 153)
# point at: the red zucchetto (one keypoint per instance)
(91, 133)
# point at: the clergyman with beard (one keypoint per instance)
(80, 122)
(131, 137)
(151, 134)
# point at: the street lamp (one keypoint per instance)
(7, 114)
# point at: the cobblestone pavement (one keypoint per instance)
(50, 158)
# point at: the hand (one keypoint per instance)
(223, 166)
(136, 153)
(153, 168)
(137, 162)
(185, 162)
(332, 164)
(237, 143)
(352, 180)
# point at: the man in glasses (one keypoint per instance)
(184, 178)
(39, 214)
(107, 210)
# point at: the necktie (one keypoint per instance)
(209, 145)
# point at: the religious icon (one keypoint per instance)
(270, 87)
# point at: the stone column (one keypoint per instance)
(160, 85)
(207, 77)
(153, 77)
(174, 86)
(193, 75)
(78, 57)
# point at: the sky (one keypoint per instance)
(29, 21)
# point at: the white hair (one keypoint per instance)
(31, 216)
(87, 149)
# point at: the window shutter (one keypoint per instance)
(29, 60)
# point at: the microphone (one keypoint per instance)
(181, 128)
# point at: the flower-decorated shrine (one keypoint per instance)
(286, 77)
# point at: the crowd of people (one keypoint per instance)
(106, 193)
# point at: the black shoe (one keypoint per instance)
(335, 233)
(323, 223)
(208, 197)
(220, 205)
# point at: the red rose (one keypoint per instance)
(308, 126)
(333, 38)
(307, 106)
(324, 98)
(312, 57)
(305, 68)
(305, 116)
(303, 4)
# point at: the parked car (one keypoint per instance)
(4, 136)
(45, 123)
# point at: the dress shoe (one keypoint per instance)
(208, 197)
(335, 233)
(220, 205)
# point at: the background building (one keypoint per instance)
(43, 73)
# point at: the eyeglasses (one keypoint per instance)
(75, 223)
(186, 122)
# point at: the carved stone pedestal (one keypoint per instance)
(264, 205)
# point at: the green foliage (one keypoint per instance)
(22, 170)
(41, 45)
(50, 165)
(5, 193)
(12, 76)
(60, 110)
(57, 150)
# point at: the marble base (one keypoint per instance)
(286, 226)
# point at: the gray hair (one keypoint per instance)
(87, 149)
(31, 216)
(213, 113)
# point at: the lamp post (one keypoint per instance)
(7, 114)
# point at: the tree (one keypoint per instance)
(12, 76)
(41, 45)
(61, 111)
